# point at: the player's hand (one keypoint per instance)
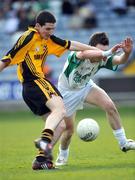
(116, 48)
(127, 45)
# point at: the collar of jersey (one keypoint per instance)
(32, 29)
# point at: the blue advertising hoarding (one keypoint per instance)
(10, 90)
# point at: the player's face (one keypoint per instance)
(46, 30)
(102, 47)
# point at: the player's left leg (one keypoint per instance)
(99, 97)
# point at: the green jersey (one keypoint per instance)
(78, 73)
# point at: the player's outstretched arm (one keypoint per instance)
(127, 46)
(77, 46)
(97, 55)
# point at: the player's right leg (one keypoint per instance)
(66, 136)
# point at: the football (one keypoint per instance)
(88, 129)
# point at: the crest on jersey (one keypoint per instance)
(37, 49)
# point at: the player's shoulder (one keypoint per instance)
(55, 38)
(58, 40)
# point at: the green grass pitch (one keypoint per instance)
(97, 160)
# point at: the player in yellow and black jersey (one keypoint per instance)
(29, 53)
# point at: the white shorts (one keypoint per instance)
(74, 99)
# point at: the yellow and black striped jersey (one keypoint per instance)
(30, 52)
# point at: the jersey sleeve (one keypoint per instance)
(59, 46)
(73, 63)
(108, 64)
(17, 53)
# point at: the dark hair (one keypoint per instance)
(99, 38)
(45, 17)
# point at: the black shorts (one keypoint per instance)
(36, 93)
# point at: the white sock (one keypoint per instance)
(120, 136)
(64, 152)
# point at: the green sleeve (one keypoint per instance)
(73, 62)
(109, 64)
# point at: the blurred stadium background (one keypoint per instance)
(76, 20)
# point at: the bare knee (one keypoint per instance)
(61, 111)
(60, 108)
(56, 105)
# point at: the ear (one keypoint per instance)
(37, 25)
